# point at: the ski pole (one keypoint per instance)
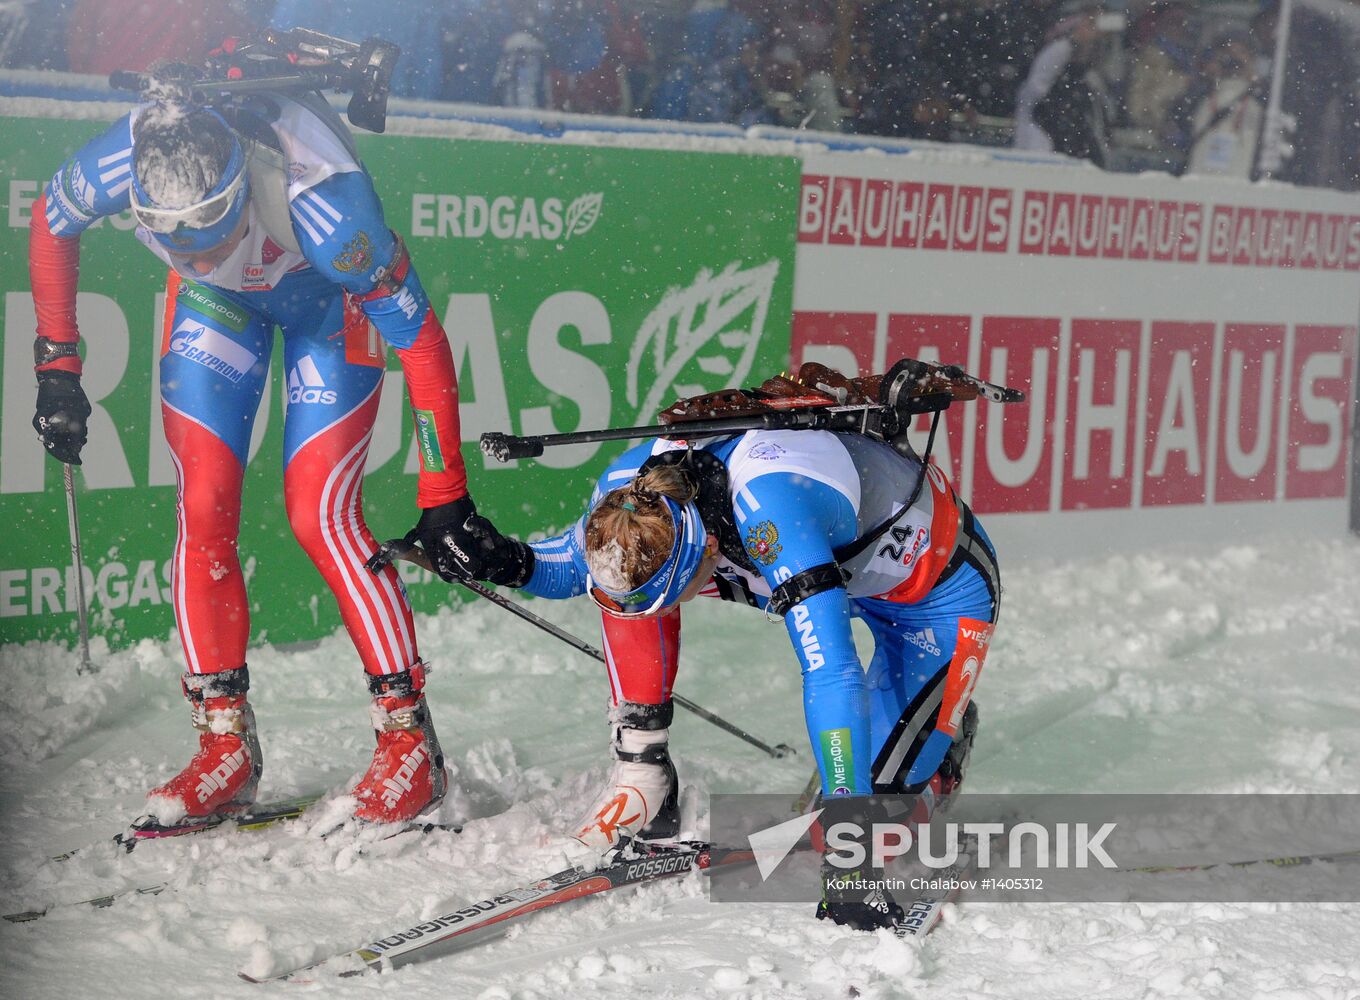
(78, 565)
(1292, 861)
(399, 548)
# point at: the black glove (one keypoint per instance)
(857, 897)
(861, 909)
(460, 542)
(61, 415)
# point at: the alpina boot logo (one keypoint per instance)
(216, 780)
(398, 784)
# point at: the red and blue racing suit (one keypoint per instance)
(321, 268)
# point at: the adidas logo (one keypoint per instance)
(924, 640)
(398, 784)
(216, 779)
(305, 384)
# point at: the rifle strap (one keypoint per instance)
(851, 549)
(970, 551)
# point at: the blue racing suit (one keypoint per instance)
(927, 587)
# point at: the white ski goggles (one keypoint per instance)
(667, 584)
(202, 216)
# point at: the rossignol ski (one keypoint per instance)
(923, 913)
(469, 925)
(636, 864)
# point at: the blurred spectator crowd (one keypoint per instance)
(1130, 85)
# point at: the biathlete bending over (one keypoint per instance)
(266, 216)
(790, 523)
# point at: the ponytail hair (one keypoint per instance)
(630, 533)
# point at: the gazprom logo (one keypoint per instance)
(205, 346)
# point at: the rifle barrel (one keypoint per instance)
(504, 447)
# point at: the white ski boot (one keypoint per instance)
(641, 798)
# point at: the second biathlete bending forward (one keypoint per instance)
(791, 523)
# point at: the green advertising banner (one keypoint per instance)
(580, 287)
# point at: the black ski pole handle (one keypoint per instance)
(133, 83)
(506, 447)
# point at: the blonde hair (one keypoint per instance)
(630, 532)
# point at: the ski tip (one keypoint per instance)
(25, 917)
(355, 963)
(294, 978)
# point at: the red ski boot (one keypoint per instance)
(222, 777)
(407, 774)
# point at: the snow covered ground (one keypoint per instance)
(1231, 670)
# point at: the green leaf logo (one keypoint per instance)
(702, 338)
(583, 213)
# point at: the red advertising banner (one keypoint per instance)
(1180, 381)
(1102, 382)
(1184, 346)
(1321, 377)
(1249, 405)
